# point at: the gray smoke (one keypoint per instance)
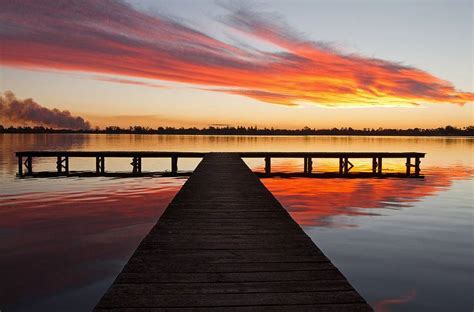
(29, 112)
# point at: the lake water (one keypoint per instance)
(404, 244)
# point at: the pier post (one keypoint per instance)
(29, 165)
(59, 165)
(310, 165)
(66, 164)
(408, 165)
(379, 166)
(374, 165)
(417, 166)
(174, 164)
(346, 165)
(62, 163)
(268, 165)
(20, 166)
(100, 164)
(136, 164)
(305, 165)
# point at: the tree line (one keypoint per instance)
(228, 130)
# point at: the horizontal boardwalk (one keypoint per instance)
(226, 244)
(25, 161)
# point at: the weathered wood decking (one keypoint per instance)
(226, 244)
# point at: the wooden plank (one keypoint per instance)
(226, 277)
(330, 154)
(138, 264)
(228, 258)
(229, 288)
(163, 154)
(226, 244)
(126, 154)
(350, 307)
(222, 300)
(243, 237)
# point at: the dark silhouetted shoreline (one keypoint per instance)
(446, 131)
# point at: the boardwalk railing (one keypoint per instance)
(25, 160)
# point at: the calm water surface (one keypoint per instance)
(405, 244)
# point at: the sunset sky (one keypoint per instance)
(283, 64)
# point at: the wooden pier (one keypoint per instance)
(412, 160)
(226, 244)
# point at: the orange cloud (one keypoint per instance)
(128, 81)
(112, 37)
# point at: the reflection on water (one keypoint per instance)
(384, 305)
(405, 244)
(314, 202)
(63, 248)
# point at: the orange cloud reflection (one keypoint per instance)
(313, 201)
(382, 305)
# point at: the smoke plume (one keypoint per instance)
(31, 113)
